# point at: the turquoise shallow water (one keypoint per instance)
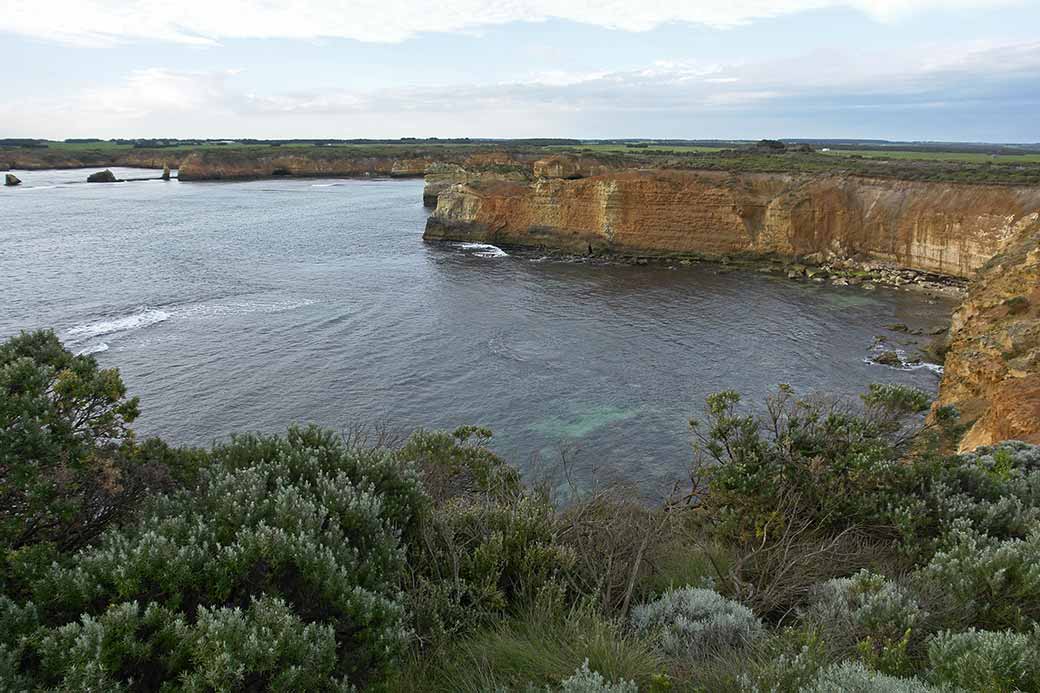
(247, 306)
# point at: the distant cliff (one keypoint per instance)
(946, 228)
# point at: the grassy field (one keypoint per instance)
(968, 157)
(650, 149)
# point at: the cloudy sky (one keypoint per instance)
(896, 69)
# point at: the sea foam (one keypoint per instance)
(125, 323)
(92, 349)
(484, 249)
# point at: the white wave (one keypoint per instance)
(484, 249)
(905, 365)
(40, 187)
(136, 321)
(933, 367)
(324, 185)
(92, 349)
(241, 308)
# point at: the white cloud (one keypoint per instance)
(209, 21)
(165, 101)
(158, 90)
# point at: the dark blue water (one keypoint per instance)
(247, 306)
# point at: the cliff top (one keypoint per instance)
(997, 166)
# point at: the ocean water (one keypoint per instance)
(251, 305)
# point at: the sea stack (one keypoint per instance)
(12, 180)
(165, 171)
(105, 176)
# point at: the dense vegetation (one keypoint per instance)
(823, 546)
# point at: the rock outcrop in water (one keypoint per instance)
(992, 370)
(105, 176)
(945, 228)
(165, 172)
(11, 179)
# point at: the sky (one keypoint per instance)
(952, 70)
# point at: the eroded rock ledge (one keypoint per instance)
(944, 228)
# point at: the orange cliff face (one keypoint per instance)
(992, 371)
(945, 228)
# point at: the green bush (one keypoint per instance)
(65, 445)
(482, 558)
(129, 648)
(987, 661)
(697, 622)
(460, 464)
(986, 582)
(301, 521)
(485, 546)
(807, 459)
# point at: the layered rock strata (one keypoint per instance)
(944, 228)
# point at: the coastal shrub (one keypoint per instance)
(585, 680)
(66, 449)
(460, 464)
(623, 546)
(482, 558)
(18, 623)
(987, 661)
(806, 458)
(299, 520)
(697, 622)
(853, 677)
(997, 488)
(986, 582)
(263, 646)
(791, 668)
(870, 613)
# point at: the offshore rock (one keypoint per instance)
(992, 369)
(11, 179)
(105, 176)
(165, 172)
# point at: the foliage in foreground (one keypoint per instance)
(825, 547)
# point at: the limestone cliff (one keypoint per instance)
(992, 371)
(233, 165)
(946, 228)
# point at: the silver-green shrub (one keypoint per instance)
(997, 488)
(866, 604)
(868, 612)
(987, 661)
(586, 681)
(697, 622)
(987, 582)
(853, 677)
